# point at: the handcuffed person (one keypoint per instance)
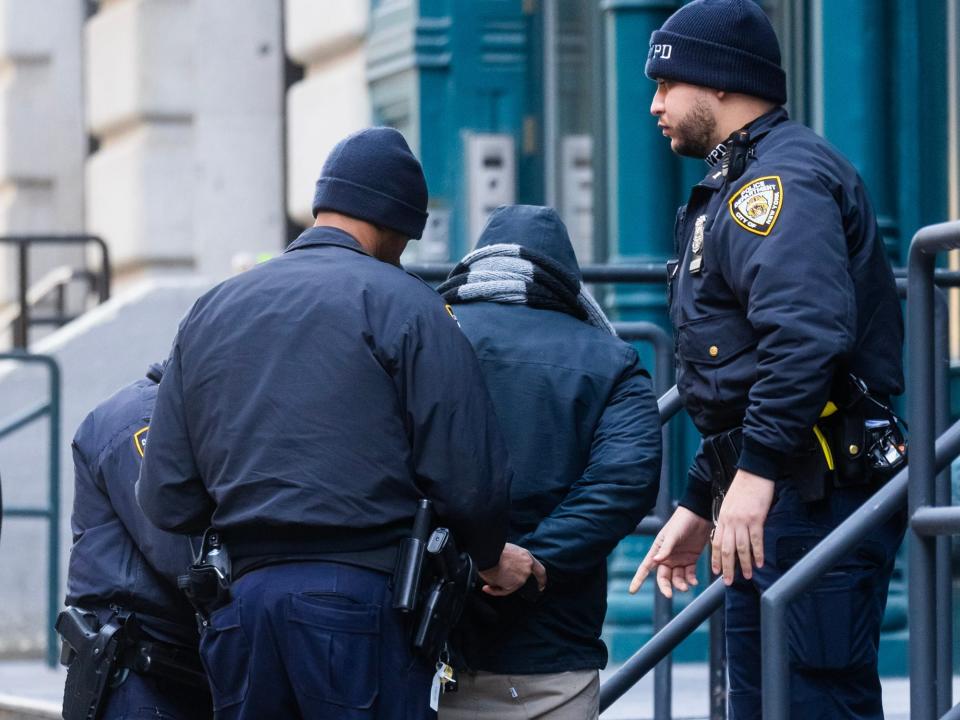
(309, 404)
(582, 428)
(130, 636)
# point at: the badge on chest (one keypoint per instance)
(696, 246)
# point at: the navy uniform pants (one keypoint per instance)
(833, 628)
(141, 697)
(317, 641)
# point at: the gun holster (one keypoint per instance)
(808, 472)
(90, 652)
(454, 575)
(207, 581)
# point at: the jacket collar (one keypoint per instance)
(317, 236)
(757, 128)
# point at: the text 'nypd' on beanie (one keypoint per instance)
(372, 175)
(722, 44)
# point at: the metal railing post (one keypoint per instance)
(22, 326)
(718, 665)
(925, 695)
(943, 493)
(662, 644)
(100, 281)
(51, 513)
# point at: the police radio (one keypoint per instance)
(736, 161)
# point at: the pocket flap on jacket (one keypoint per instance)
(715, 339)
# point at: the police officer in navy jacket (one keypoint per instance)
(780, 291)
(308, 404)
(120, 562)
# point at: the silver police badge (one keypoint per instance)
(697, 245)
(756, 206)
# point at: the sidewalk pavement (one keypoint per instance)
(29, 690)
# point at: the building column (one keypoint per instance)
(184, 100)
(332, 100)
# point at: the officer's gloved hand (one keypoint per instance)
(509, 575)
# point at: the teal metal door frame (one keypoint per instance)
(51, 512)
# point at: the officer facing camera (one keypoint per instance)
(129, 637)
(309, 403)
(789, 344)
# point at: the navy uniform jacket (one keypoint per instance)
(118, 556)
(310, 402)
(583, 431)
(783, 282)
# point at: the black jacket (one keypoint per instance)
(118, 557)
(309, 402)
(782, 284)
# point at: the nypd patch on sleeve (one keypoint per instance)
(756, 205)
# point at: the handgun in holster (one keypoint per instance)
(207, 581)
(454, 575)
(90, 653)
(809, 469)
(431, 582)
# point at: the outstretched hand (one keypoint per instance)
(674, 553)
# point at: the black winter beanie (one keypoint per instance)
(722, 44)
(372, 175)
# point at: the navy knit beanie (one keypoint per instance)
(721, 44)
(372, 175)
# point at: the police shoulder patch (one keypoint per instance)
(140, 440)
(756, 206)
(449, 309)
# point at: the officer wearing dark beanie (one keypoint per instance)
(372, 176)
(307, 406)
(783, 303)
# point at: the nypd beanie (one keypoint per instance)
(722, 44)
(372, 175)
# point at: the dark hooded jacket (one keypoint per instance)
(118, 557)
(583, 433)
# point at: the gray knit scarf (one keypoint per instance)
(515, 274)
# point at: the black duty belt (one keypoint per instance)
(160, 659)
(382, 559)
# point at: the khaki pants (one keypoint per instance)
(554, 696)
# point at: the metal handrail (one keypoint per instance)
(23, 242)
(642, 273)
(930, 683)
(662, 644)
(50, 513)
(930, 692)
(824, 555)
